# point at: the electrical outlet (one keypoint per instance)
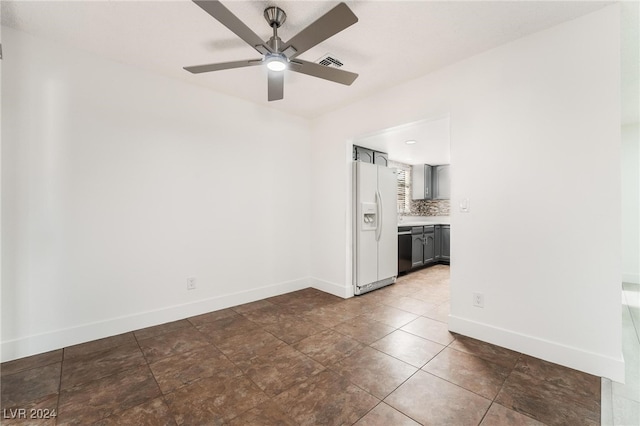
(191, 283)
(478, 300)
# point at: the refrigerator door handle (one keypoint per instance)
(379, 211)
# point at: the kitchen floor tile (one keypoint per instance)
(152, 413)
(427, 328)
(376, 372)
(185, 367)
(408, 347)
(581, 383)
(93, 401)
(393, 317)
(220, 330)
(330, 315)
(376, 297)
(547, 402)
(265, 414)
(199, 320)
(98, 345)
(382, 414)
(171, 343)
(95, 365)
(326, 399)
(212, 401)
(410, 304)
(502, 416)
(148, 332)
(363, 329)
(435, 295)
(468, 371)
(21, 415)
(328, 346)
(434, 401)
(439, 313)
(293, 328)
(268, 314)
(242, 348)
(277, 362)
(281, 369)
(305, 300)
(40, 360)
(492, 353)
(252, 306)
(30, 385)
(358, 305)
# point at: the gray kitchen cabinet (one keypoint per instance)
(445, 243)
(441, 182)
(421, 182)
(417, 249)
(429, 245)
(442, 233)
(363, 154)
(380, 158)
(423, 246)
(430, 182)
(371, 156)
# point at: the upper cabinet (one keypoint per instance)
(441, 182)
(362, 154)
(380, 158)
(430, 182)
(367, 155)
(421, 182)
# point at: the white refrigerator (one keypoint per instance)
(375, 227)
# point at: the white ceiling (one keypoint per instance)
(394, 41)
(431, 137)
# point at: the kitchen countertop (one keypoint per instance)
(424, 220)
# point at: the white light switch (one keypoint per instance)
(464, 205)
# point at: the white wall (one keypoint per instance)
(118, 184)
(535, 130)
(630, 203)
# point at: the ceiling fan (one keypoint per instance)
(277, 55)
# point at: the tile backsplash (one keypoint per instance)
(430, 207)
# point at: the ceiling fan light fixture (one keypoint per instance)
(276, 63)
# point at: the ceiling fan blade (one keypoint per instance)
(321, 71)
(197, 69)
(329, 24)
(231, 21)
(276, 85)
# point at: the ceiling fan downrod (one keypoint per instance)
(275, 17)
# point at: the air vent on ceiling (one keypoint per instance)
(330, 60)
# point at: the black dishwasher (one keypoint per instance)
(404, 249)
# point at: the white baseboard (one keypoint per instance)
(631, 278)
(44, 342)
(331, 288)
(578, 359)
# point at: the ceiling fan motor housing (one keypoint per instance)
(275, 16)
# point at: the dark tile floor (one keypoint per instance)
(303, 358)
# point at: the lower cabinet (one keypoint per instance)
(443, 243)
(417, 247)
(423, 245)
(429, 244)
